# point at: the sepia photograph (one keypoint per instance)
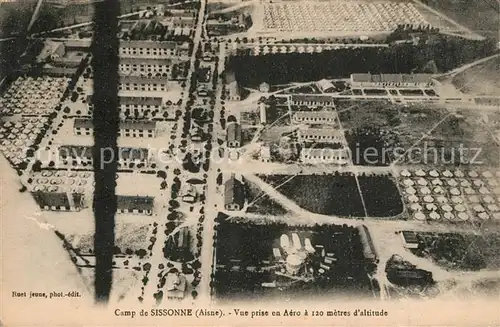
(250, 162)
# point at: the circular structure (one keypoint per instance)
(487, 174)
(447, 208)
(455, 191)
(438, 190)
(437, 181)
(484, 190)
(422, 182)
(464, 183)
(434, 216)
(474, 199)
(293, 264)
(478, 182)
(452, 182)
(416, 207)
(458, 173)
(478, 208)
(420, 173)
(431, 207)
(425, 190)
(457, 199)
(413, 198)
(428, 198)
(433, 173)
(411, 190)
(447, 173)
(493, 208)
(488, 199)
(419, 216)
(448, 216)
(408, 182)
(463, 216)
(460, 208)
(492, 182)
(405, 173)
(473, 174)
(60, 173)
(483, 216)
(469, 191)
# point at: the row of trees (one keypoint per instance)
(446, 52)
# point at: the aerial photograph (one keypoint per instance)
(266, 150)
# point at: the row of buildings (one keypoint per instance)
(61, 200)
(392, 80)
(79, 154)
(127, 128)
(153, 49)
(140, 103)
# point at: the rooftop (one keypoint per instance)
(391, 78)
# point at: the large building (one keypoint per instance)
(81, 154)
(139, 205)
(391, 80)
(128, 128)
(323, 135)
(324, 156)
(315, 117)
(57, 200)
(139, 103)
(233, 136)
(234, 194)
(153, 49)
(147, 67)
(311, 100)
(137, 83)
(233, 89)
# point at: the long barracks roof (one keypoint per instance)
(130, 100)
(234, 192)
(127, 124)
(142, 80)
(300, 115)
(145, 61)
(391, 78)
(83, 151)
(148, 44)
(320, 132)
(234, 132)
(135, 202)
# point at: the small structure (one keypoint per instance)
(325, 86)
(410, 239)
(142, 205)
(265, 154)
(176, 285)
(263, 113)
(264, 87)
(234, 194)
(233, 88)
(189, 193)
(233, 135)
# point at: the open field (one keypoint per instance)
(481, 17)
(481, 79)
